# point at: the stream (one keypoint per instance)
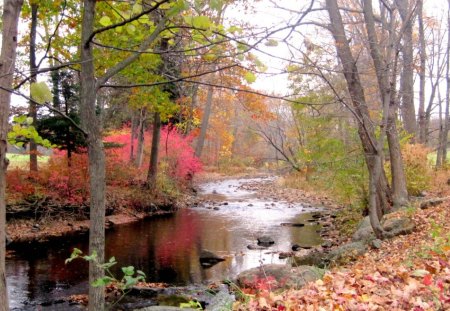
(167, 248)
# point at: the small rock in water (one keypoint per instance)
(256, 247)
(216, 208)
(250, 204)
(225, 203)
(265, 241)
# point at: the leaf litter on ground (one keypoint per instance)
(410, 272)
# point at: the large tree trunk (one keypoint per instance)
(156, 137)
(423, 57)
(33, 68)
(380, 194)
(10, 20)
(407, 80)
(92, 126)
(205, 122)
(385, 69)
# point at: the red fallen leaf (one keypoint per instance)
(427, 280)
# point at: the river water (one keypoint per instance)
(167, 247)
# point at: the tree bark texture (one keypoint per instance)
(359, 107)
(92, 126)
(205, 122)
(33, 68)
(10, 19)
(447, 94)
(140, 137)
(385, 69)
(156, 137)
(407, 80)
(423, 57)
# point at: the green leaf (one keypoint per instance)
(137, 8)
(29, 120)
(250, 77)
(105, 21)
(41, 93)
(177, 8)
(131, 29)
(128, 270)
(201, 22)
(75, 254)
(103, 281)
(92, 257)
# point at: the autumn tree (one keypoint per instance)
(10, 21)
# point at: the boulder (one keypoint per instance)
(347, 252)
(432, 202)
(265, 241)
(314, 258)
(275, 277)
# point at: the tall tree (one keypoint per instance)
(33, 79)
(10, 21)
(379, 191)
(422, 79)
(92, 126)
(406, 10)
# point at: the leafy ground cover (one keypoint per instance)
(410, 272)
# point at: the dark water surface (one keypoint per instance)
(167, 248)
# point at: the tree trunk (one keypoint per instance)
(140, 138)
(399, 190)
(33, 69)
(407, 80)
(423, 57)
(133, 135)
(205, 122)
(156, 137)
(92, 126)
(194, 103)
(447, 94)
(385, 69)
(360, 110)
(10, 20)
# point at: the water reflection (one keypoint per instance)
(166, 248)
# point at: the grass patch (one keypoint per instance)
(23, 160)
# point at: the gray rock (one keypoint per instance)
(313, 258)
(279, 276)
(265, 240)
(221, 301)
(376, 243)
(432, 202)
(347, 252)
